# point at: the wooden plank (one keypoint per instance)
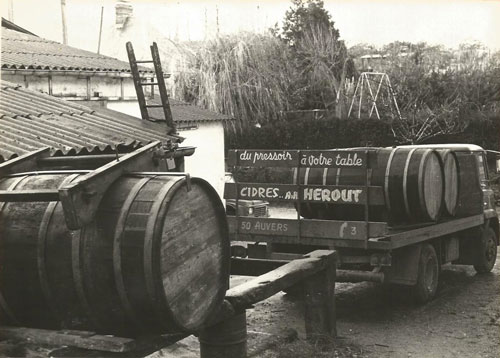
(78, 161)
(81, 198)
(29, 195)
(329, 194)
(375, 244)
(414, 236)
(354, 159)
(24, 163)
(267, 285)
(87, 340)
(330, 229)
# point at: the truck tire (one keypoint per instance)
(428, 275)
(487, 253)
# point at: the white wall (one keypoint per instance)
(128, 107)
(207, 162)
(76, 86)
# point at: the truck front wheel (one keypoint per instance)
(487, 253)
(428, 275)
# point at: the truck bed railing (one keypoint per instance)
(365, 195)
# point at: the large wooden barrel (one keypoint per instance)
(451, 181)
(155, 260)
(411, 178)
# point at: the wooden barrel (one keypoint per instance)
(451, 181)
(412, 180)
(155, 260)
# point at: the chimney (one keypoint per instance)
(123, 12)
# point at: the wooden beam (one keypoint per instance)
(408, 237)
(267, 285)
(24, 163)
(324, 194)
(312, 228)
(29, 195)
(353, 159)
(80, 339)
(376, 244)
(78, 161)
(89, 344)
(254, 267)
(81, 198)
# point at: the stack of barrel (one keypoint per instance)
(420, 185)
(155, 260)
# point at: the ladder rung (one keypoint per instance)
(148, 83)
(144, 61)
(154, 105)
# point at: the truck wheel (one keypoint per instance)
(487, 252)
(428, 275)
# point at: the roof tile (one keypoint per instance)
(23, 51)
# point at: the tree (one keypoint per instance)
(306, 16)
(318, 54)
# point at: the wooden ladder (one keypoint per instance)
(160, 82)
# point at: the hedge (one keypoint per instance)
(337, 133)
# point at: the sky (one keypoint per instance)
(447, 22)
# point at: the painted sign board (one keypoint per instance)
(329, 229)
(295, 158)
(329, 194)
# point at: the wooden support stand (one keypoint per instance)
(320, 315)
(225, 337)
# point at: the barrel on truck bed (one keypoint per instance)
(420, 185)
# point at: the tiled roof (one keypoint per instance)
(30, 120)
(185, 112)
(23, 51)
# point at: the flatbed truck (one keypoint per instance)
(410, 254)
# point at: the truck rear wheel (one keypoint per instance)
(428, 275)
(487, 253)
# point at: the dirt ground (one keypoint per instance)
(377, 321)
(373, 321)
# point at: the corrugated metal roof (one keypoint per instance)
(23, 51)
(185, 112)
(30, 120)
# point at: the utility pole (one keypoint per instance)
(63, 15)
(206, 25)
(217, 20)
(100, 32)
(11, 11)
